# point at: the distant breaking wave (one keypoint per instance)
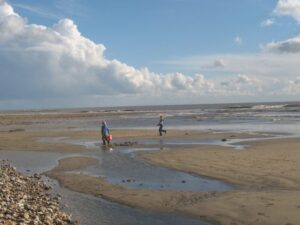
(262, 107)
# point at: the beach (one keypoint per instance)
(258, 171)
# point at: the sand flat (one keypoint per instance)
(267, 175)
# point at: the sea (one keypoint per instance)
(278, 117)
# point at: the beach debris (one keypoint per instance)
(16, 130)
(26, 200)
(126, 143)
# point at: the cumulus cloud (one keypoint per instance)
(40, 62)
(291, 45)
(292, 87)
(242, 84)
(264, 64)
(44, 65)
(267, 23)
(288, 8)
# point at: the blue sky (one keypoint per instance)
(143, 33)
(147, 51)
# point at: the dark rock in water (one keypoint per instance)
(224, 139)
(128, 180)
(183, 181)
(123, 181)
(16, 130)
(126, 143)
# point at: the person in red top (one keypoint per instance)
(105, 133)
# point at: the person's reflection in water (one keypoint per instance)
(161, 144)
(106, 148)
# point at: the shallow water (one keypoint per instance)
(115, 166)
(90, 210)
(87, 209)
(119, 166)
(125, 169)
(265, 117)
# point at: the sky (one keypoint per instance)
(75, 53)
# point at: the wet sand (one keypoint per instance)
(267, 174)
(269, 184)
(268, 171)
(27, 140)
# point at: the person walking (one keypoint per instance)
(105, 133)
(161, 125)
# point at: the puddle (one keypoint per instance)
(30, 162)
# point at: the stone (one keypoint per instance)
(25, 200)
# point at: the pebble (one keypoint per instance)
(25, 200)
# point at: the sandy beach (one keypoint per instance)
(265, 175)
(267, 186)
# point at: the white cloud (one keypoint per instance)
(291, 45)
(292, 87)
(288, 8)
(296, 81)
(264, 64)
(267, 23)
(46, 62)
(58, 66)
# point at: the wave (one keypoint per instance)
(292, 106)
(240, 107)
(262, 107)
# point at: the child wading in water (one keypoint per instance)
(161, 124)
(105, 133)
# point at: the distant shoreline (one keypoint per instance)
(147, 107)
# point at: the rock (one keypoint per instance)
(26, 216)
(224, 139)
(25, 200)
